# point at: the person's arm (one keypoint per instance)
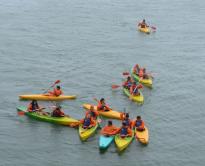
(129, 132)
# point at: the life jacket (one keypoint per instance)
(87, 122)
(134, 89)
(102, 107)
(141, 73)
(57, 92)
(123, 131)
(33, 107)
(127, 121)
(138, 123)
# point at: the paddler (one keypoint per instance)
(92, 112)
(143, 24)
(56, 91)
(127, 120)
(136, 69)
(125, 131)
(88, 122)
(128, 83)
(138, 124)
(134, 89)
(102, 106)
(57, 112)
(110, 129)
(34, 107)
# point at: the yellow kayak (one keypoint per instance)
(144, 30)
(122, 143)
(109, 114)
(138, 98)
(86, 133)
(46, 97)
(142, 136)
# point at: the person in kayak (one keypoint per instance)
(138, 124)
(34, 107)
(128, 83)
(136, 69)
(102, 106)
(125, 131)
(56, 91)
(88, 122)
(57, 112)
(92, 112)
(110, 129)
(127, 120)
(134, 89)
(143, 24)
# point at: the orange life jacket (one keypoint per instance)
(57, 92)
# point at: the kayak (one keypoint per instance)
(142, 136)
(105, 141)
(122, 143)
(46, 97)
(67, 121)
(139, 98)
(108, 114)
(86, 133)
(146, 82)
(144, 30)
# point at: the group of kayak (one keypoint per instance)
(88, 125)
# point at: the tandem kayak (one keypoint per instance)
(146, 82)
(46, 97)
(122, 143)
(142, 136)
(144, 30)
(105, 141)
(139, 98)
(67, 121)
(86, 133)
(108, 114)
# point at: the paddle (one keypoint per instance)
(56, 82)
(115, 86)
(21, 113)
(125, 73)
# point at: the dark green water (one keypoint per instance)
(87, 45)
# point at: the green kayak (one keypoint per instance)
(67, 121)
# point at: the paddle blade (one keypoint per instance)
(21, 113)
(125, 73)
(57, 82)
(115, 86)
(154, 28)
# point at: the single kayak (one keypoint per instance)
(142, 136)
(105, 141)
(108, 114)
(122, 143)
(67, 121)
(138, 98)
(46, 97)
(146, 82)
(86, 133)
(144, 30)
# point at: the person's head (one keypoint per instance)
(34, 102)
(102, 100)
(127, 115)
(128, 78)
(138, 117)
(123, 123)
(58, 107)
(58, 87)
(109, 123)
(137, 66)
(143, 20)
